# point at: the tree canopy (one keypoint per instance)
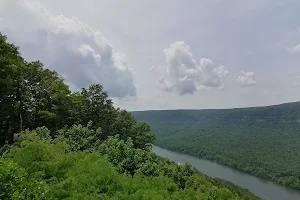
(61, 144)
(68, 166)
(263, 141)
(31, 96)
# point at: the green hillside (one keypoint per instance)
(263, 141)
(59, 144)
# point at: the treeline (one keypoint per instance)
(75, 165)
(47, 154)
(31, 96)
(263, 141)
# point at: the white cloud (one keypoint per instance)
(212, 75)
(247, 79)
(165, 85)
(185, 75)
(80, 54)
(221, 71)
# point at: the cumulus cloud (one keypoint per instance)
(247, 79)
(165, 85)
(184, 75)
(80, 54)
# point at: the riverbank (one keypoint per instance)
(258, 172)
(263, 141)
(260, 187)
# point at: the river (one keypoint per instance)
(260, 187)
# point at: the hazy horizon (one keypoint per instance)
(219, 108)
(153, 55)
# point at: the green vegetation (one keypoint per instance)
(263, 141)
(31, 96)
(47, 154)
(38, 166)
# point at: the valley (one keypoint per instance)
(263, 141)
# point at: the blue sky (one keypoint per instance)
(165, 54)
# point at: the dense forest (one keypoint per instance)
(263, 141)
(59, 144)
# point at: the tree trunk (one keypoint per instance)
(21, 122)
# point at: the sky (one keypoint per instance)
(171, 54)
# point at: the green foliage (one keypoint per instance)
(16, 184)
(109, 158)
(81, 138)
(262, 141)
(31, 97)
(52, 169)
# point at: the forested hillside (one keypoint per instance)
(59, 144)
(263, 141)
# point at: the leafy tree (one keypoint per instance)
(81, 138)
(31, 96)
(10, 62)
(39, 167)
(59, 158)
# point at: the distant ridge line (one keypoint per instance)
(273, 105)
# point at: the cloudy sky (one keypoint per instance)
(171, 54)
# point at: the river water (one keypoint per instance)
(260, 187)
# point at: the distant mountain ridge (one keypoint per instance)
(264, 141)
